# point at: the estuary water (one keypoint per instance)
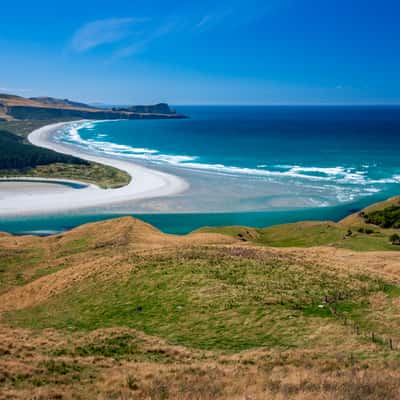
(248, 165)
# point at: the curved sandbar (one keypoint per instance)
(145, 183)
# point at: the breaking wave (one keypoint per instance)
(348, 183)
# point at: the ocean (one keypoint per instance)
(249, 165)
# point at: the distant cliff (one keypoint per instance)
(40, 108)
(161, 108)
(27, 112)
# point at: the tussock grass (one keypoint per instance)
(16, 264)
(214, 299)
(311, 234)
(117, 310)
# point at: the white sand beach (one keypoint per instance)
(49, 196)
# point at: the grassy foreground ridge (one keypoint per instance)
(119, 310)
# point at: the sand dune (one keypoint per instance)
(145, 183)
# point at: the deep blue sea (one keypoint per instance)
(264, 165)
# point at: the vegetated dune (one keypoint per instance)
(357, 218)
(118, 309)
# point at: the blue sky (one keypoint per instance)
(203, 52)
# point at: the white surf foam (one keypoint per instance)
(345, 180)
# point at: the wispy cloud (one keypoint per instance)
(139, 45)
(105, 31)
(211, 20)
(130, 36)
(14, 90)
(204, 21)
(233, 14)
(176, 23)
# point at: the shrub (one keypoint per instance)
(395, 239)
(386, 218)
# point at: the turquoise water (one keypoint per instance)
(253, 166)
(175, 223)
(330, 155)
(73, 185)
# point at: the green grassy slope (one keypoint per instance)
(119, 310)
(215, 299)
(309, 234)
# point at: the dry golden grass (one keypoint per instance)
(327, 359)
(11, 101)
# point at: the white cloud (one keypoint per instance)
(204, 21)
(140, 45)
(134, 35)
(212, 20)
(13, 90)
(105, 31)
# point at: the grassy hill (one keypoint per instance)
(369, 230)
(117, 309)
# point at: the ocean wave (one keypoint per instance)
(396, 178)
(318, 203)
(346, 181)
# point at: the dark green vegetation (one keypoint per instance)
(18, 158)
(395, 239)
(389, 217)
(15, 154)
